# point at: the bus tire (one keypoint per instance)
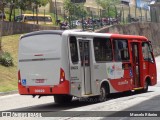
(103, 93)
(61, 99)
(145, 89)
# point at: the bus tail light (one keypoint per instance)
(19, 77)
(62, 76)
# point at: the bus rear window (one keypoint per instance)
(41, 44)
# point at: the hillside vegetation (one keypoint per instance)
(8, 75)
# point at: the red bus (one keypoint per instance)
(83, 64)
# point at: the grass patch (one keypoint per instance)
(8, 75)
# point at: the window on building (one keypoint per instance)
(121, 50)
(102, 49)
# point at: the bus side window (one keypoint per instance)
(121, 50)
(146, 49)
(73, 49)
(102, 49)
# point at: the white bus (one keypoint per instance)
(83, 64)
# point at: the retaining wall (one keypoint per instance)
(147, 29)
(10, 28)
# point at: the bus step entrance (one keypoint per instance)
(138, 88)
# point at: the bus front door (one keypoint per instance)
(135, 64)
(84, 48)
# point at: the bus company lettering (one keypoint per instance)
(123, 82)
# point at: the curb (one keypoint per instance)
(8, 93)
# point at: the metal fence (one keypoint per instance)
(122, 15)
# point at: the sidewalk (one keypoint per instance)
(9, 93)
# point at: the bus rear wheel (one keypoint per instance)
(62, 99)
(103, 93)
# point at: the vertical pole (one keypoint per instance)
(92, 21)
(115, 11)
(146, 16)
(21, 11)
(14, 10)
(74, 11)
(33, 15)
(44, 16)
(135, 11)
(1, 29)
(56, 11)
(141, 13)
(101, 18)
(108, 15)
(37, 13)
(123, 15)
(64, 16)
(156, 16)
(82, 23)
(129, 17)
(69, 21)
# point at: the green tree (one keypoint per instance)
(25, 4)
(108, 5)
(39, 3)
(76, 9)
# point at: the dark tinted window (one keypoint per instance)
(73, 49)
(121, 50)
(102, 49)
(146, 49)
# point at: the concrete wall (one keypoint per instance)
(149, 30)
(10, 28)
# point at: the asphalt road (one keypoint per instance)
(119, 104)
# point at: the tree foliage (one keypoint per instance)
(106, 3)
(76, 9)
(108, 6)
(25, 4)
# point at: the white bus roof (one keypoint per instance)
(66, 32)
(79, 33)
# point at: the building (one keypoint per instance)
(137, 8)
(155, 12)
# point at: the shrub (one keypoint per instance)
(6, 59)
